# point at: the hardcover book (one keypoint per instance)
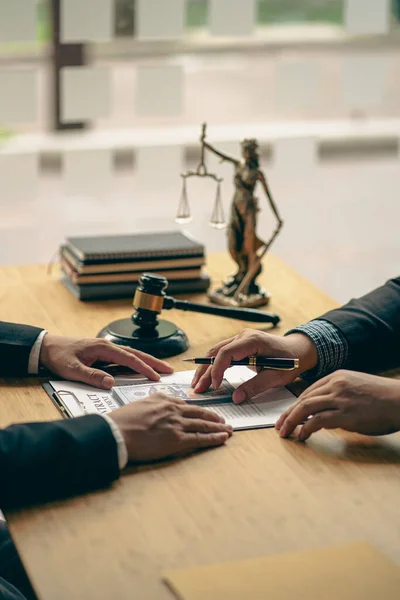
(142, 246)
(127, 266)
(117, 291)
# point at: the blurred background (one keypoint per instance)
(101, 105)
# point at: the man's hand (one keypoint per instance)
(251, 343)
(353, 401)
(72, 359)
(159, 427)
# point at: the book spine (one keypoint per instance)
(131, 267)
(93, 292)
(145, 255)
(97, 259)
(171, 275)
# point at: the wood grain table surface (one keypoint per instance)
(255, 496)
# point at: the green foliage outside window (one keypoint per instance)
(278, 11)
(297, 11)
(284, 11)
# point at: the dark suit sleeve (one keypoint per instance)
(16, 343)
(9, 592)
(40, 462)
(371, 326)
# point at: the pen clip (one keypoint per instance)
(279, 368)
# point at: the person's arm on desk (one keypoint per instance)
(367, 331)
(41, 462)
(357, 402)
(23, 348)
(363, 335)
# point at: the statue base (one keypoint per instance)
(221, 297)
(164, 341)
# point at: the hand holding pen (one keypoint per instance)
(252, 343)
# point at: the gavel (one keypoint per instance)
(144, 331)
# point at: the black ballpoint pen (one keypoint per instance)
(263, 362)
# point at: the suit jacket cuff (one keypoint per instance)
(371, 327)
(16, 343)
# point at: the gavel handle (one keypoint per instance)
(242, 314)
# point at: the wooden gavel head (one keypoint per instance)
(148, 301)
(144, 331)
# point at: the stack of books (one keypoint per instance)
(109, 267)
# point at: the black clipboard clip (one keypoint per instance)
(57, 398)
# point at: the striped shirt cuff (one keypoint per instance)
(332, 347)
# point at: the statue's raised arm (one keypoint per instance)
(221, 155)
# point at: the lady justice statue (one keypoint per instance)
(246, 249)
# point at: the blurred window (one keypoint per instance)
(278, 11)
(43, 34)
(284, 11)
(124, 18)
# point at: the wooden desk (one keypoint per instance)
(255, 496)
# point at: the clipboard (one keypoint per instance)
(56, 398)
(79, 404)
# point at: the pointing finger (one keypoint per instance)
(213, 352)
(204, 382)
(200, 372)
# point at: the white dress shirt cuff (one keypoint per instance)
(33, 364)
(33, 369)
(121, 446)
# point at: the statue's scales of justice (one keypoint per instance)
(245, 247)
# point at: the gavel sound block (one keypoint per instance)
(144, 331)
